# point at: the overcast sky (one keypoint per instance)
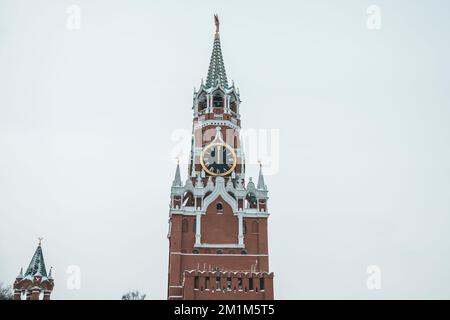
(86, 149)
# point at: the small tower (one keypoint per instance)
(35, 280)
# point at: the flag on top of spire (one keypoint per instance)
(216, 72)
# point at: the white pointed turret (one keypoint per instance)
(261, 185)
(177, 181)
(20, 276)
(199, 181)
(239, 184)
(250, 183)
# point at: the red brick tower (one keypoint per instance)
(35, 284)
(218, 246)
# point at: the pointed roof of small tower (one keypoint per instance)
(261, 185)
(20, 276)
(37, 264)
(216, 72)
(177, 180)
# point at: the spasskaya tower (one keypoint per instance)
(218, 245)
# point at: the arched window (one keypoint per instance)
(188, 199)
(219, 206)
(251, 200)
(217, 282)
(202, 104)
(184, 225)
(196, 282)
(239, 283)
(229, 283)
(217, 101)
(255, 227)
(233, 106)
(250, 284)
(261, 284)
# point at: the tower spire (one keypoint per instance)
(261, 185)
(177, 180)
(216, 72)
(37, 264)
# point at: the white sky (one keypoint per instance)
(86, 119)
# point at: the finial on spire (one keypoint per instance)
(216, 22)
(216, 72)
(40, 241)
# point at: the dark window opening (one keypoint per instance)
(196, 282)
(217, 101)
(233, 106)
(201, 106)
(251, 201)
(195, 251)
(219, 251)
(250, 284)
(188, 199)
(219, 206)
(217, 282)
(206, 282)
(261, 283)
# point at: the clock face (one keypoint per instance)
(218, 159)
